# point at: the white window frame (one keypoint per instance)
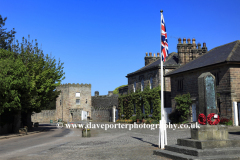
(76, 95)
(151, 82)
(134, 87)
(79, 102)
(142, 85)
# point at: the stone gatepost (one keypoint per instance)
(113, 113)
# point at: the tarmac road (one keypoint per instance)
(117, 144)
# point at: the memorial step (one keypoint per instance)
(179, 156)
(208, 144)
(203, 152)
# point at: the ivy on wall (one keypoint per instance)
(142, 102)
(182, 111)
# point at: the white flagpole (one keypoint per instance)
(162, 127)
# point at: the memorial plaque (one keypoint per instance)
(210, 93)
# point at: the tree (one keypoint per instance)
(43, 76)
(116, 91)
(6, 38)
(13, 79)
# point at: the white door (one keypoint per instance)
(84, 115)
(194, 115)
(238, 112)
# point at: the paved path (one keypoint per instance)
(119, 144)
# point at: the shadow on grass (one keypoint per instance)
(140, 139)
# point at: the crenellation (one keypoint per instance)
(75, 85)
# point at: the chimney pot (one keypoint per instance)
(146, 54)
(188, 40)
(154, 55)
(204, 44)
(184, 40)
(199, 45)
(150, 54)
(179, 40)
(158, 54)
(193, 40)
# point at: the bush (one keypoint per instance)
(226, 121)
(155, 122)
(183, 107)
(175, 116)
(144, 116)
(133, 118)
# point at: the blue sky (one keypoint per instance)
(101, 41)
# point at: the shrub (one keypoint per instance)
(183, 106)
(226, 121)
(133, 118)
(175, 116)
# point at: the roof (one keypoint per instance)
(172, 60)
(226, 53)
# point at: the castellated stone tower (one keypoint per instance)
(149, 59)
(73, 99)
(189, 51)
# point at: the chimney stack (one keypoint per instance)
(204, 48)
(96, 93)
(110, 93)
(151, 58)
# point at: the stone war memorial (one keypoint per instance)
(210, 141)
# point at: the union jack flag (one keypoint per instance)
(164, 42)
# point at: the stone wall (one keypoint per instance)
(102, 115)
(104, 101)
(190, 85)
(44, 116)
(12, 127)
(102, 106)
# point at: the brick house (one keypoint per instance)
(224, 63)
